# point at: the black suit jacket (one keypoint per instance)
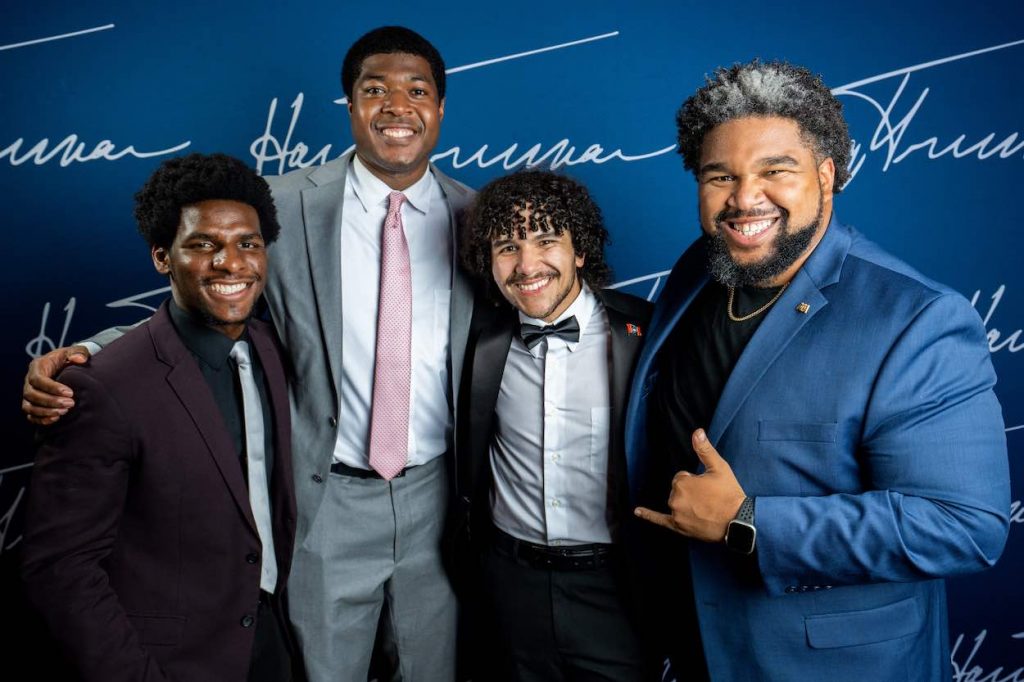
(141, 550)
(490, 337)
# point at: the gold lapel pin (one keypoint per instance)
(803, 308)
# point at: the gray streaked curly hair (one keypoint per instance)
(767, 89)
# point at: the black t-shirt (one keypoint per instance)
(694, 365)
(693, 368)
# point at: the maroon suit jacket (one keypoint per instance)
(139, 535)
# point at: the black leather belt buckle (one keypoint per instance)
(564, 558)
(355, 472)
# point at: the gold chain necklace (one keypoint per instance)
(766, 306)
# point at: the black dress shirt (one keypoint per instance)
(211, 350)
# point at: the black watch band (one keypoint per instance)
(741, 535)
(746, 512)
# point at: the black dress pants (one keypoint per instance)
(270, 660)
(549, 625)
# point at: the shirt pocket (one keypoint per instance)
(600, 421)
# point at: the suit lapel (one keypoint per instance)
(188, 384)
(488, 367)
(321, 218)
(779, 327)
(688, 276)
(461, 305)
(623, 350)
(624, 344)
(782, 323)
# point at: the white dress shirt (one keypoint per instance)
(427, 222)
(549, 453)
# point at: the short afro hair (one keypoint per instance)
(552, 199)
(187, 180)
(390, 40)
(762, 89)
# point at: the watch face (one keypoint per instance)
(740, 537)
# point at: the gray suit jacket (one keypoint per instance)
(304, 295)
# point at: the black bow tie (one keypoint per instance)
(567, 330)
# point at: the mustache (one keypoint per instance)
(516, 279)
(726, 215)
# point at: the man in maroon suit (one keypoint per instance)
(161, 514)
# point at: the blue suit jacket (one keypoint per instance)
(869, 433)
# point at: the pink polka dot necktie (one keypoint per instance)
(389, 421)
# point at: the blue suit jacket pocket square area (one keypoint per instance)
(855, 628)
(812, 432)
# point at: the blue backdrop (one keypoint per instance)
(96, 94)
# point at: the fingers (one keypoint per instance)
(657, 518)
(39, 417)
(706, 452)
(77, 355)
(45, 400)
(680, 475)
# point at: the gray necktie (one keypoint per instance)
(256, 462)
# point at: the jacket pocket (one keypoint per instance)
(155, 629)
(811, 432)
(854, 628)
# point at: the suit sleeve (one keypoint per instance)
(76, 500)
(936, 478)
(101, 340)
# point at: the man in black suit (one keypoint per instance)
(541, 478)
(161, 513)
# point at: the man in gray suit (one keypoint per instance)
(370, 477)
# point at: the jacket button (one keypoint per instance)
(317, 478)
(333, 421)
(790, 590)
(248, 620)
(252, 558)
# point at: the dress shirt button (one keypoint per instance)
(317, 478)
(248, 620)
(555, 502)
(333, 421)
(252, 558)
(555, 457)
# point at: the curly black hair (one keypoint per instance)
(773, 88)
(390, 40)
(552, 199)
(187, 180)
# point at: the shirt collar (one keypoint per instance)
(209, 345)
(372, 191)
(583, 308)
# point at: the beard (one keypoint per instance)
(789, 244)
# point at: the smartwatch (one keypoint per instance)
(741, 534)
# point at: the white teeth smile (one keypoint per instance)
(751, 229)
(534, 286)
(228, 289)
(396, 132)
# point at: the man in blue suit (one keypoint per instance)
(820, 415)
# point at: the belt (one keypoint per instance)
(356, 472)
(566, 558)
